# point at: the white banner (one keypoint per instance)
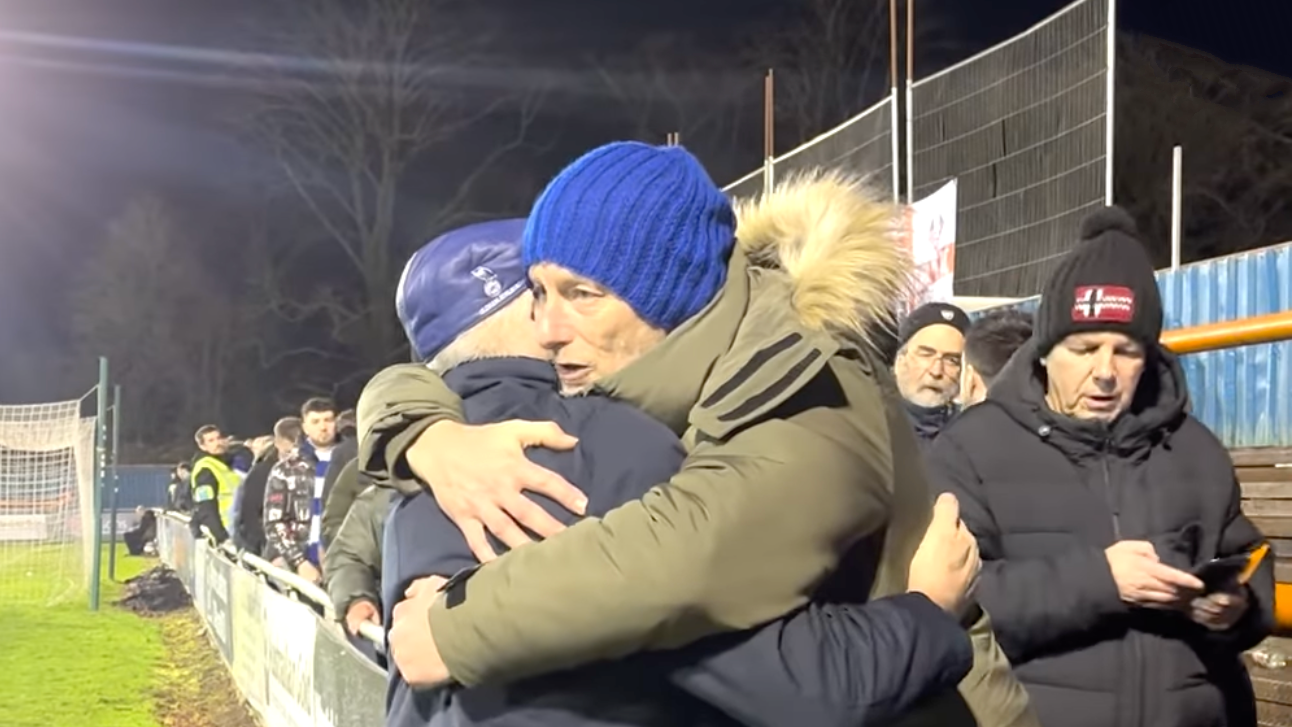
(24, 527)
(248, 624)
(199, 578)
(931, 230)
(289, 636)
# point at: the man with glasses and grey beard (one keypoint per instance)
(927, 368)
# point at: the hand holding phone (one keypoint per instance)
(1231, 571)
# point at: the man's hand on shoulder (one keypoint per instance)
(479, 475)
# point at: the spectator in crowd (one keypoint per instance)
(180, 490)
(1094, 494)
(264, 448)
(214, 481)
(346, 427)
(337, 500)
(294, 492)
(931, 343)
(989, 343)
(249, 527)
(466, 309)
(353, 563)
(141, 538)
(799, 459)
(340, 493)
(244, 456)
(241, 456)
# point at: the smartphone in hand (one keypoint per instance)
(1221, 574)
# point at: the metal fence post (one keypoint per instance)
(116, 483)
(100, 445)
(1110, 102)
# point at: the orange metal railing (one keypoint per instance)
(1230, 334)
(1283, 608)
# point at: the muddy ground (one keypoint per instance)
(193, 684)
(195, 688)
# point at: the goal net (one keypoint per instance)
(47, 517)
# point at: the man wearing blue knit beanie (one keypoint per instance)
(750, 339)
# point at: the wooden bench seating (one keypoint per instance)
(1265, 475)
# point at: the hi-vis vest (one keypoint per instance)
(225, 476)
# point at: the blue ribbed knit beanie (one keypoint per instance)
(644, 221)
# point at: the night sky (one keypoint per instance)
(81, 130)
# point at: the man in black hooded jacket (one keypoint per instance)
(339, 494)
(1094, 495)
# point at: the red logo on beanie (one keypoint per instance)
(1103, 304)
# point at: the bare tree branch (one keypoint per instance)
(453, 210)
(167, 332)
(669, 83)
(354, 96)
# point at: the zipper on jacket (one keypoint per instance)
(1139, 669)
(1134, 666)
(1110, 493)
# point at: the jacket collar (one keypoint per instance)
(733, 363)
(473, 377)
(928, 421)
(305, 450)
(1160, 405)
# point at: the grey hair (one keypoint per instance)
(494, 337)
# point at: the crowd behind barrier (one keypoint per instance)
(277, 633)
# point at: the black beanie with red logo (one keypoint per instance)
(1106, 283)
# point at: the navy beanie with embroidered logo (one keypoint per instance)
(1105, 284)
(458, 280)
(932, 314)
(644, 221)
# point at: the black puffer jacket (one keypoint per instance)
(1045, 496)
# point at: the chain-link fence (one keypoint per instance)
(1022, 126)
(862, 144)
(747, 187)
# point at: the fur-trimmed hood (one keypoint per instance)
(838, 241)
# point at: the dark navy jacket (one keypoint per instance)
(824, 665)
(928, 422)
